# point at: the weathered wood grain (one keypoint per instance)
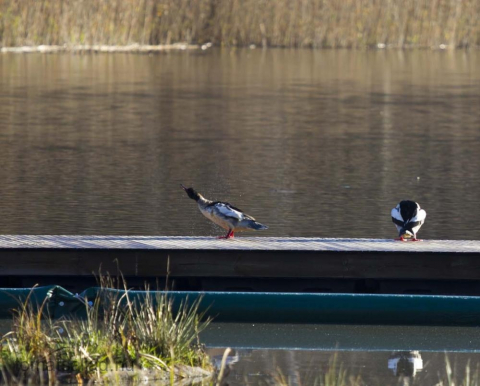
(252, 257)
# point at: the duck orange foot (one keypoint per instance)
(229, 235)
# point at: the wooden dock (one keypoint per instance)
(285, 264)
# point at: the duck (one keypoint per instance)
(224, 214)
(408, 217)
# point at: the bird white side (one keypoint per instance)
(228, 211)
(420, 218)
(397, 216)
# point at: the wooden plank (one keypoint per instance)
(272, 264)
(240, 243)
(252, 257)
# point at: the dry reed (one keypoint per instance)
(120, 333)
(276, 23)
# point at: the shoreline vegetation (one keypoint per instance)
(64, 25)
(117, 338)
(98, 48)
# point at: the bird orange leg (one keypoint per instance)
(415, 239)
(400, 239)
(229, 235)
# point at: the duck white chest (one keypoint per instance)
(209, 213)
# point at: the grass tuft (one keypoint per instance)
(118, 333)
(452, 377)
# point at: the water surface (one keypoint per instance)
(263, 354)
(312, 143)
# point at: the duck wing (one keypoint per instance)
(397, 217)
(227, 210)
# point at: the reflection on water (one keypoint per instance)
(268, 367)
(263, 354)
(312, 143)
(296, 354)
(405, 363)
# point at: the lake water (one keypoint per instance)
(312, 143)
(266, 354)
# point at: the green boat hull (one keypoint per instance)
(256, 307)
(260, 307)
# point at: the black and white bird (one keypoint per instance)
(225, 215)
(408, 217)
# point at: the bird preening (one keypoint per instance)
(408, 217)
(223, 214)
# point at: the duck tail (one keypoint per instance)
(256, 225)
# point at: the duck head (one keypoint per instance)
(191, 193)
(406, 234)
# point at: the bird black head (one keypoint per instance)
(191, 193)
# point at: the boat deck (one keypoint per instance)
(247, 263)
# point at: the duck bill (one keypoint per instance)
(407, 234)
(183, 187)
